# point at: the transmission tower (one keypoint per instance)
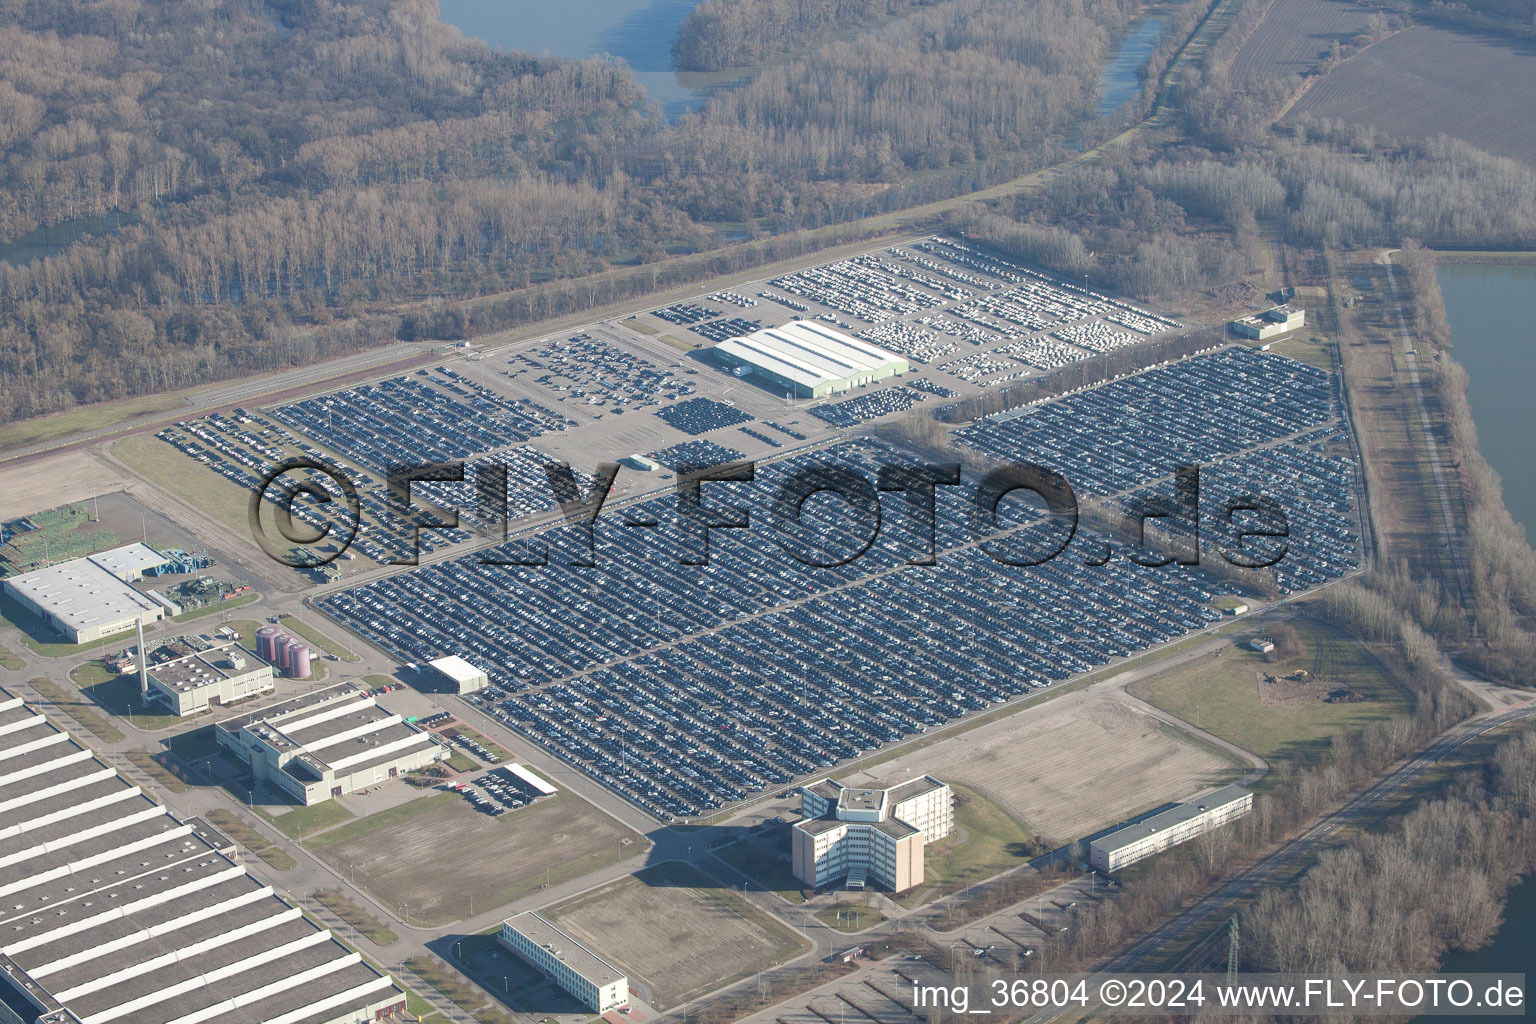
(1232, 949)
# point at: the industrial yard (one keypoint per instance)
(639, 682)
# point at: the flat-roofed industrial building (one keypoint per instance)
(1178, 824)
(327, 743)
(808, 360)
(1271, 323)
(459, 675)
(147, 918)
(223, 674)
(85, 599)
(879, 832)
(598, 984)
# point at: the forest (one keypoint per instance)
(719, 34)
(300, 180)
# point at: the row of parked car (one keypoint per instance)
(653, 677)
(1128, 432)
(701, 415)
(476, 748)
(243, 447)
(696, 726)
(429, 416)
(584, 370)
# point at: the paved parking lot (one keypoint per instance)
(651, 675)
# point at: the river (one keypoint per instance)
(1488, 307)
(1511, 951)
(1122, 79)
(55, 238)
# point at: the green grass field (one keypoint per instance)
(301, 821)
(10, 660)
(851, 917)
(1220, 693)
(119, 695)
(985, 841)
(90, 417)
(356, 917)
(761, 858)
(241, 831)
(79, 708)
(495, 860)
(189, 480)
(294, 624)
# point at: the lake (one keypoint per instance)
(639, 31)
(1511, 951)
(1488, 307)
(1122, 79)
(55, 238)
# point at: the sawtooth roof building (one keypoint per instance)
(324, 744)
(112, 911)
(808, 360)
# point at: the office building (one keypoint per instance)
(874, 832)
(807, 359)
(116, 912)
(223, 674)
(327, 743)
(1178, 824)
(598, 984)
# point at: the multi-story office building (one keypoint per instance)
(1178, 824)
(598, 984)
(870, 832)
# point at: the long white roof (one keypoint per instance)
(810, 354)
(81, 594)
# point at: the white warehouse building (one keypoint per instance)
(598, 984)
(85, 599)
(808, 360)
(1179, 824)
(459, 675)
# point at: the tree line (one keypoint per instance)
(288, 167)
(720, 34)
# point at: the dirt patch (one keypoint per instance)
(57, 480)
(1075, 765)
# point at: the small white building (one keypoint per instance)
(460, 675)
(598, 984)
(1269, 324)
